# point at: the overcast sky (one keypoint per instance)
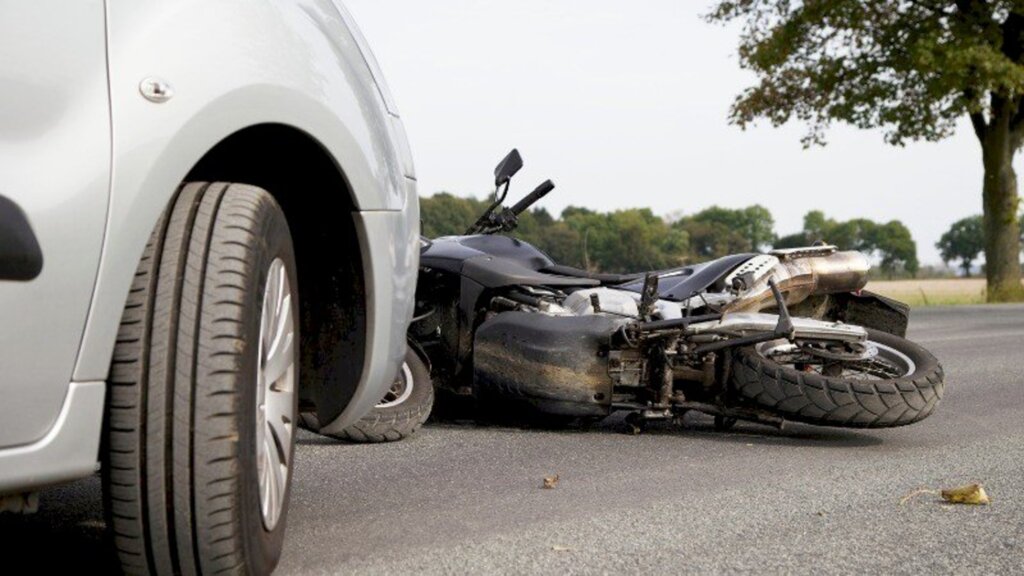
(624, 104)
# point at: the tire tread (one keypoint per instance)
(171, 475)
(832, 401)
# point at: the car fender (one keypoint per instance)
(293, 63)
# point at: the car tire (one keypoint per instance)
(202, 389)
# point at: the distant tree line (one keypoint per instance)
(891, 241)
(636, 239)
(964, 242)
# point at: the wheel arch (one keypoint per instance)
(320, 206)
(318, 202)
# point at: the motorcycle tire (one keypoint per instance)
(401, 412)
(794, 393)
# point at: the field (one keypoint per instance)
(935, 292)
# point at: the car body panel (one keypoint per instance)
(69, 448)
(54, 164)
(294, 64)
(231, 65)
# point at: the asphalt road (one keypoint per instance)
(467, 499)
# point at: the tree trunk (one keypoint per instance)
(1002, 236)
(967, 268)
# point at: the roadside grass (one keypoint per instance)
(933, 292)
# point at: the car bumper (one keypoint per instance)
(390, 249)
(68, 451)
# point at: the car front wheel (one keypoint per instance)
(199, 432)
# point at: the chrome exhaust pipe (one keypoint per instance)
(802, 273)
(838, 272)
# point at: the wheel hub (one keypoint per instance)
(275, 393)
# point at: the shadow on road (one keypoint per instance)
(66, 535)
(694, 427)
(795, 435)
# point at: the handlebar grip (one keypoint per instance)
(540, 192)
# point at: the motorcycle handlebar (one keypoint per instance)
(537, 194)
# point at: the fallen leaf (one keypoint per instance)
(969, 494)
(550, 481)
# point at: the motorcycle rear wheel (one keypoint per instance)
(900, 385)
(403, 409)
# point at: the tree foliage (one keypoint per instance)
(717, 231)
(909, 67)
(446, 215)
(964, 240)
(626, 240)
(896, 248)
(890, 241)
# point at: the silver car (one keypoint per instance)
(208, 216)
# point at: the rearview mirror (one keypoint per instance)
(507, 168)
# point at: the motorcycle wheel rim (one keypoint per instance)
(885, 363)
(400, 391)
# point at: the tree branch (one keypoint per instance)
(977, 116)
(980, 126)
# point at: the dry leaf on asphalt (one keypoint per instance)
(969, 494)
(550, 481)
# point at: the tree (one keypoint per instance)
(554, 237)
(626, 240)
(717, 231)
(445, 215)
(797, 240)
(963, 241)
(896, 247)
(709, 240)
(853, 234)
(911, 67)
(891, 241)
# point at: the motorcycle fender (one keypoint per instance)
(870, 310)
(554, 364)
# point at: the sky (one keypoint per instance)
(625, 105)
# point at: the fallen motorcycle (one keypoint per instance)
(786, 336)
